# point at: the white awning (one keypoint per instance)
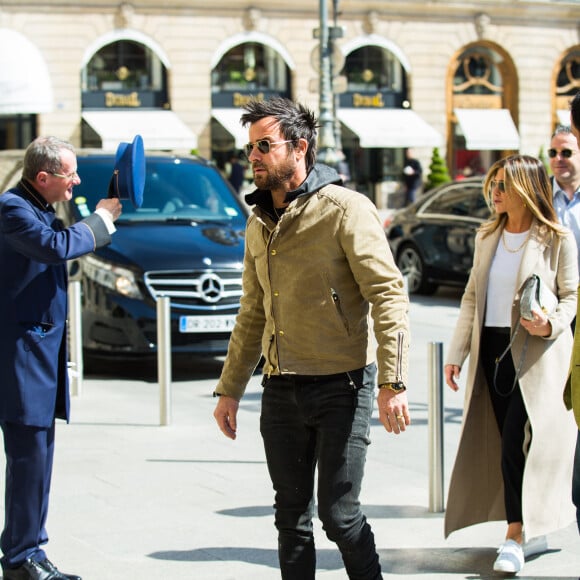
(563, 117)
(229, 119)
(161, 130)
(390, 128)
(25, 85)
(488, 129)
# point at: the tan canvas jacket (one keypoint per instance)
(308, 283)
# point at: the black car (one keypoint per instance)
(185, 242)
(432, 240)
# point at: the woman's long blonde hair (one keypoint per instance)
(526, 177)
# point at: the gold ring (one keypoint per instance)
(399, 416)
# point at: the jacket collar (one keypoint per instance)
(25, 189)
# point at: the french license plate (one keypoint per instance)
(222, 323)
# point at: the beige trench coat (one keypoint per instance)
(476, 487)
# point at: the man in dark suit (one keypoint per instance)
(34, 249)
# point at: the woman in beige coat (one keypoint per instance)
(517, 443)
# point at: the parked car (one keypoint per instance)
(432, 240)
(186, 242)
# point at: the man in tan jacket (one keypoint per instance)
(316, 264)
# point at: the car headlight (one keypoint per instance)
(116, 278)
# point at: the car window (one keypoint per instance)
(174, 190)
(464, 200)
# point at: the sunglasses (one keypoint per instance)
(263, 146)
(566, 153)
(499, 184)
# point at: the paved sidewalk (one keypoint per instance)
(134, 500)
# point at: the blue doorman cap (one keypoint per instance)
(128, 179)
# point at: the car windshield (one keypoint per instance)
(175, 190)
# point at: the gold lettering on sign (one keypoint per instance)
(242, 100)
(359, 100)
(477, 101)
(115, 100)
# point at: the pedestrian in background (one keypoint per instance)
(316, 259)
(34, 249)
(412, 176)
(515, 454)
(564, 155)
(237, 171)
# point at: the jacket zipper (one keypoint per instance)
(399, 366)
(336, 300)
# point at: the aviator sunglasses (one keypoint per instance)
(566, 153)
(500, 184)
(263, 146)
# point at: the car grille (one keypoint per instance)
(208, 290)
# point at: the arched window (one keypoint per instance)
(373, 68)
(121, 68)
(251, 66)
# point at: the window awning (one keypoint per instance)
(390, 128)
(563, 117)
(488, 129)
(229, 119)
(161, 130)
(25, 85)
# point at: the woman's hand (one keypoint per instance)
(539, 325)
(451, 375)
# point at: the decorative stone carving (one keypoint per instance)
(482, 22)
(124, 15)
(252, 18)
(371, 22)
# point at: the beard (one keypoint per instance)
(275, 177)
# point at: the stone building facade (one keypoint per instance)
(477, 79)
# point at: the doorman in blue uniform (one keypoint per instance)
(34, 249)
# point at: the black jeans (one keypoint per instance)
(323, 423)
(511, 416)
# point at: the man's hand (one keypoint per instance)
(225, 414)
(393, 410)
(113, 205)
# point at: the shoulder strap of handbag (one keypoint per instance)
(519, 367)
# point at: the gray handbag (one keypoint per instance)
(536, 296)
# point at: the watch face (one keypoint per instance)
(397, 387)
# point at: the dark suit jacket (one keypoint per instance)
(34, 248)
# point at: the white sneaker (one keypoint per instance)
(510, 559)
(537, 545)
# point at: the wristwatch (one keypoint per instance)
(398, 387)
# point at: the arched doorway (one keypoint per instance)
(566, 84)
(378, 122)
(482, 109)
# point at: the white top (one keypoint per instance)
(501, 285)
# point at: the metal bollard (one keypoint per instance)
(75, 366)
(436, 503)
(164, 358)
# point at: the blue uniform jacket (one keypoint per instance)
(34, 248)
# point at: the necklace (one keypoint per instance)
(514, 250)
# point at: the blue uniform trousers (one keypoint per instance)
(29, 458)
